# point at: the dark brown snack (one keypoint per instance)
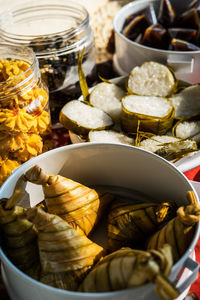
(166, 15)
(135, 27)
(195, 4)
(155, 36)
(151, 14)
(111, 43)
(181, 45)
(189, 19)
(183, 26)
(189, 35)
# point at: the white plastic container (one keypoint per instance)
(129, 54)
(119, 168)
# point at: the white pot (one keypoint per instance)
(129, 54)
(123, 169)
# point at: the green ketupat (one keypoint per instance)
(66, 255)
(131, 224)
(19, 235)
(128, 268)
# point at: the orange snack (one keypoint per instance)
(6, 168)
(43, 122)
(16, 121)
(32, 146)
(24, 114)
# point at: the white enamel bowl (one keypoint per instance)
(125, 170)
(129, 54)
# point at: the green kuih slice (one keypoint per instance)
(187, 102)
(188, 130)
(107, 96)
(80, 117)
(152, 79)
(110, 136)
(156, 142)
(154, 114)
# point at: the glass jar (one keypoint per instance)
(57, 31)
(25, 124)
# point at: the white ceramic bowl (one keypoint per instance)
(129, 54)
(126, 170)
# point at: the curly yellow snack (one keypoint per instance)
(13, 73)
(21, 146)
(43, 123)
(32, 147)
(16, 121)
(6, 168)
(24, 115)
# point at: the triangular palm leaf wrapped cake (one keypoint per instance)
(78, 204)
(128, 268)
(19, 235)
(130, 224)
(179, 231)
(66, 255)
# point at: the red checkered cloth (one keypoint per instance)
(194, 175)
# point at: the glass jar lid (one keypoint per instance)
(47, 19)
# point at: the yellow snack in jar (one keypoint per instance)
(36, 97)
(32, 147)
(10, 143)
(6, 167)
(16, 121)
(43, 122)
(24, 110)
(21, 146)
(12, 68)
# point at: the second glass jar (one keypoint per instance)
(57, 31)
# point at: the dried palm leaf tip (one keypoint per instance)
(179, 231)
(70, 199)
(189, 215)
(81, 75)
(63, 250)
(128, 268)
